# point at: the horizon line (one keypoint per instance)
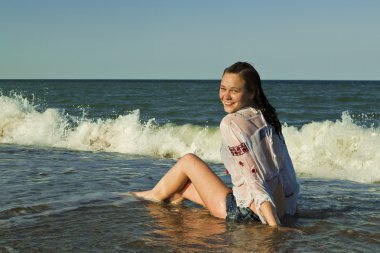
(168, 79)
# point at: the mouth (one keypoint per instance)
(228, 103)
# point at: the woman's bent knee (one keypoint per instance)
(190, 159)
(190, 156)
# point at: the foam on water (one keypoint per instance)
(21, 123)
(340, 149)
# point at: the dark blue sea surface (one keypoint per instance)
(71, 150)
(196, 101)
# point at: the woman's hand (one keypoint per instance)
(268, 212)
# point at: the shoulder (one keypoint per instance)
(239, 123)
(239, 117)
(230, 121)
(226, 121)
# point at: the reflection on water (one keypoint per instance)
(182, 227)
(193, 229)
(65, 201)
(136, 226)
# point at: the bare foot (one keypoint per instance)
(146, 195)
(176, 199)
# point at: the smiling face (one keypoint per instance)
(233, 93)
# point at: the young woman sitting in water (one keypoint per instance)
(254, 153)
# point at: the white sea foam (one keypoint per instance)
(21, 123)
(339, 150)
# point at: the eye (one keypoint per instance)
(222, 88)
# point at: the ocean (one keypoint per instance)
(71, 150)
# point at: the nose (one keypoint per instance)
(227, 94)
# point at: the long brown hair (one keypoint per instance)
(253, 83)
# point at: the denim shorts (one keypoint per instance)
(238, 214)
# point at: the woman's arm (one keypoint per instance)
(267, 211)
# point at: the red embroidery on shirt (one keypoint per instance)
(253, 170)
(241, 163)
(239, 149)
(227, 172)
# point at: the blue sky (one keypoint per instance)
(197, 39)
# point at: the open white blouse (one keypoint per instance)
(258, 161)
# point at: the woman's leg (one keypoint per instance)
(189, 192)
(192, 179)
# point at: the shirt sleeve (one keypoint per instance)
(252, 186)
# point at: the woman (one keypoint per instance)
(254, 153)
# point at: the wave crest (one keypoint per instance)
(21, 123)
(340, 149)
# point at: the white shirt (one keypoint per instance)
(258, 161)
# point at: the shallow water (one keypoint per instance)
(57, 200)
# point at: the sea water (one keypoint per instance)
(71, 149)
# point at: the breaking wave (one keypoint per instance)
(328, 149)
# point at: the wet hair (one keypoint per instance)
(252, 82)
